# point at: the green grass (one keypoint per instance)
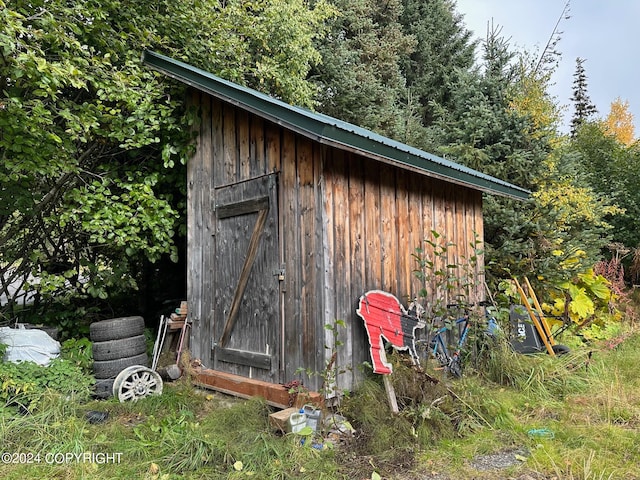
(184, 433)
(589, 400)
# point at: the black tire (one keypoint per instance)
(116, 329)
(111, 368)
(114, 349)
(455, 368)
(560, 349)
(442, 355)
(103, 388)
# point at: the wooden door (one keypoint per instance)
(247, 276)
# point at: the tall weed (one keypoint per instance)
(56, 428)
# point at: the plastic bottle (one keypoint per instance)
(313, 416)
(297, 421)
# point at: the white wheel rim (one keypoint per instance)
(136, 382)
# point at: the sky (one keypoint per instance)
(606, 33)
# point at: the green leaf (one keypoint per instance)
(95, 143)
(305, 432)
(581, 304)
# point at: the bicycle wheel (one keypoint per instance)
(440, 352)
(422, 350)
(454, 367)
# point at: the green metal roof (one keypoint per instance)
(329, 130)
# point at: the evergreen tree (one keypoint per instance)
(487, 130)
(583, 108)
(496, 117)
(481, 129)
(444, 51)
(360, 78)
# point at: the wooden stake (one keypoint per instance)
(391, 394)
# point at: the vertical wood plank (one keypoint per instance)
(194, 222)
(440, 224)
(356, 333)
(429, 204)
(439, 208)
(273, 162)
(218, 178)
(230, 163)
(328, 245)
(373, 228)
(356, 215)
(206, 238)
(388, 240)
(477, 225)
(463, 241)
(308, 287)
(257, 146)
(342, 259)
(273, 145)
(450, 230)
(416, 227)
(320, 266)
(217, 126)
(404, 227)
(291, 244)
(242, 132)
(391, 394)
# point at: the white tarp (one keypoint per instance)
(29, 345)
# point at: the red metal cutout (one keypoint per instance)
(385, 318)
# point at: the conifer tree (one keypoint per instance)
(583, 108)
(359, 78)
(444, 50)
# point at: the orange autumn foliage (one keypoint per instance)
(619, 122)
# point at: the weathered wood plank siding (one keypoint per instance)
(230, 149)
(339, 259)
(199, 179)
(405, 275)
(370, 239)
(309, 250)
(346, 224)
(291, 239)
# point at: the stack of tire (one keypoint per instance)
(117, 343)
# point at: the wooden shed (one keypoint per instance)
(292, 215)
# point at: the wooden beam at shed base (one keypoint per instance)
(275, 394)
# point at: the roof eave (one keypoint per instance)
(330, 134)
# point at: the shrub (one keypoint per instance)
(24, 383)
(79, 352)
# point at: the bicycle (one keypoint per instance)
(451, 361)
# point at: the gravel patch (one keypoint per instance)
(488, 466)
(499, 460)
